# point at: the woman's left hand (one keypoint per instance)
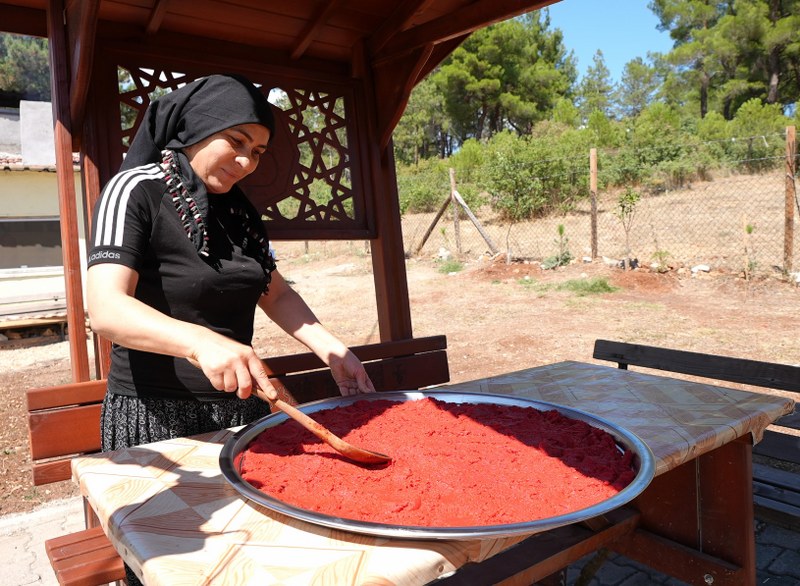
(350, 375)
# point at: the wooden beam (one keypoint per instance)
(440, 53)
(771, 375)
(81, 26)
(392, 102)
(395, 80)
(156, 17)
(92, 152)
(59, 82)
(179, 50)
(388, 257)
(457, 24)
(23, 21)
(546, 552)
(313, 26)
(383, 213)
(677, 560)
(692, 526)
(396, 23)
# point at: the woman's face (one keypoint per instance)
(228, 156)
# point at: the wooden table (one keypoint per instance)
(175, 520)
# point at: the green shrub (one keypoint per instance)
(423, 187)
(528, 177)
(582, 287)
(450, 266)
(563, 256)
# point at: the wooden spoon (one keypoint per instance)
(344, 448)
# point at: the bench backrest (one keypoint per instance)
(736, 370)
(64, 420)
(403, 364)
(725, 368)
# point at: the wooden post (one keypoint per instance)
(62, 132)
(593, 196)
(438, 216)
(91, 155)
(791, 195)
(456, 225)
(746, 231)
(457, 199)
(458, 202)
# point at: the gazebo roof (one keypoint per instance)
(405, 38)
(354, 62)
(324, 29)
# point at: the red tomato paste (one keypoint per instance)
(454, 465)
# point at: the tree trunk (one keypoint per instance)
(774, 64)
(703, 94)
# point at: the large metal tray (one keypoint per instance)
(643, 461)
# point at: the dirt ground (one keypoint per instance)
(496, 317)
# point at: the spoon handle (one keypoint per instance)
(323, 433)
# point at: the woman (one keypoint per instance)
(179, 261)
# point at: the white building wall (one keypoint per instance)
(29, 190)
(36, 132)
(28, 193)
(9, 130)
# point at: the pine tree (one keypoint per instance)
(596, 89)
(24, 69)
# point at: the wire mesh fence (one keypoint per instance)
(743, 218)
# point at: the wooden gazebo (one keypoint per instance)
(341, 70)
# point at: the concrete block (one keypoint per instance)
(36, 133)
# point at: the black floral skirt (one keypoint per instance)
(131, 421)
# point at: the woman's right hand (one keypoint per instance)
(230, 366)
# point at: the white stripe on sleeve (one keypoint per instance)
(111, 217)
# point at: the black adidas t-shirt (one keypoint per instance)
(136, 225)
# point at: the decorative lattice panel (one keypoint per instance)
(306, 177)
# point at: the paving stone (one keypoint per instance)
(17, 558)
(774, 535)
(770, 580)
(642, 579)
(22, 538)
(765, 554)
(612, 573)
(786, 564)
(637, 567)
(573, 573)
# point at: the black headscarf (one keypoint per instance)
(185, 117)
(199, 109)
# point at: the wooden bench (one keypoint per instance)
(776, 491)
(64, 421)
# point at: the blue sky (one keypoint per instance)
(621, 29)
